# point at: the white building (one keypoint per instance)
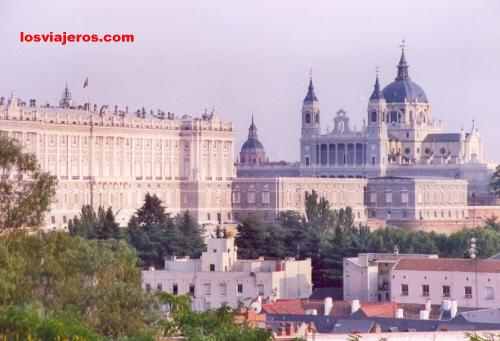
(470, 282)
(367, 277)
(219, 278)
(110, 157)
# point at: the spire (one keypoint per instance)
(66, 97)
(376, 94)
(252, 131)
(311, 96)
(403, 65)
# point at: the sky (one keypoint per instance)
(254, 57)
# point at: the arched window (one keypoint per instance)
(317, 118)
(308, 118)
(374, 116)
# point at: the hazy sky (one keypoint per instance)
(245, 57)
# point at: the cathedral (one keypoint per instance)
(399, 137)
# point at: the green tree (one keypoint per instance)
(190, 236)
(25, 191)
(152, 212)
(495, 182)
(95, 226)
(152, 233)
(97, 281)
(252, 239)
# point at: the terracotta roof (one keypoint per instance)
(340, 308)
(387, 309)
(449, 264)
(292, 307)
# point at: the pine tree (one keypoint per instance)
(152, 212)
(190, 235)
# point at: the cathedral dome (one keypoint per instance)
(400, 91)
(252, 151)
(252, 144)
(403, 88)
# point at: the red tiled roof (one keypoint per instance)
(340, 308)
(449, 264)
(387, 309)
(292, 307)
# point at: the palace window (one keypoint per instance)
(404, 196)
(446, 291)
(175, 289)
(251, 197)
(240, 289)
(404, 290)
(388, 197)
(236, 197)
(468, 292)
(425, 290)
(266, 197)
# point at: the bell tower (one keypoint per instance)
(310, 113)
(377, 137)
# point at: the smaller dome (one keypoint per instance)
(252, 144)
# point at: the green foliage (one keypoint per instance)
(216, 325)
(96, 281)
(95, 226)
(27, 322)
(495, 182)
(155, 235)
(327, 236)
(25, 191)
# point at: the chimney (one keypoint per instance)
(428, 305)
(424, 314)
(355, 306)
(328, 306)
(454, 309)
(400, 313)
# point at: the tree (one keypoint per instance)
(152, 212)
(190, 236)
(95, 226)
(252, 239)
(95, 281)
(25, 191)
(156, 236)
(495, 182)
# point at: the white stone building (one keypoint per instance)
(469, 282)
(399, 137)
(219, 278)
(367, 277)
(266, 198)
(113, 157)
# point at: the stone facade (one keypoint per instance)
(113, 158)
(398, 199)
(400, 137)
(266, 198)
(367, 277)
(219, 278)
(473, 283)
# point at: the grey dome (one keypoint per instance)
(401, 90)
(252, 144)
